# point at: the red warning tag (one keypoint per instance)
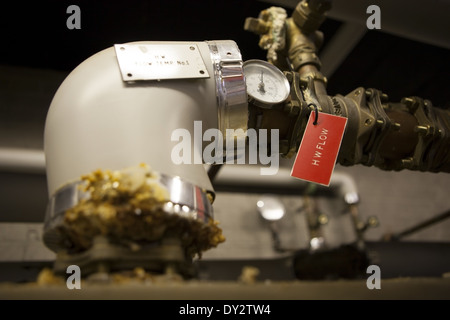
(319, 148)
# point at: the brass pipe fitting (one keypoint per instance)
(411, 134)
(310, 14)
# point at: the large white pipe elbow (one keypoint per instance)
(99, 120)
(96, 120)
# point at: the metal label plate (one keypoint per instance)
(160, 61)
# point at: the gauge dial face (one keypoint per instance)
(266, 84)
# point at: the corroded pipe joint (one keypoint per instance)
(303, 58)
(315, 75)
(432, 132)
(130, 105)
(302, 48)
(256, 25)
(309, 15)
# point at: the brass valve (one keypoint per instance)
(410, 134)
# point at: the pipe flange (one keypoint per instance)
(230, 88)
(69, 209)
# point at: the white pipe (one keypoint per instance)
(346, 186)
(22, 160)
(33, 161)
(98, 121)
(246, 175)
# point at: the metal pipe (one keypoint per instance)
(247, 178)
(123, 113)
(415, 20)
(22, 160)
(412, 134)
(98, 121)
(425, 224)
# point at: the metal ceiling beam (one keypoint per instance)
(22, 160)
(340, 46)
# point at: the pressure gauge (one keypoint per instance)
(266, 84)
